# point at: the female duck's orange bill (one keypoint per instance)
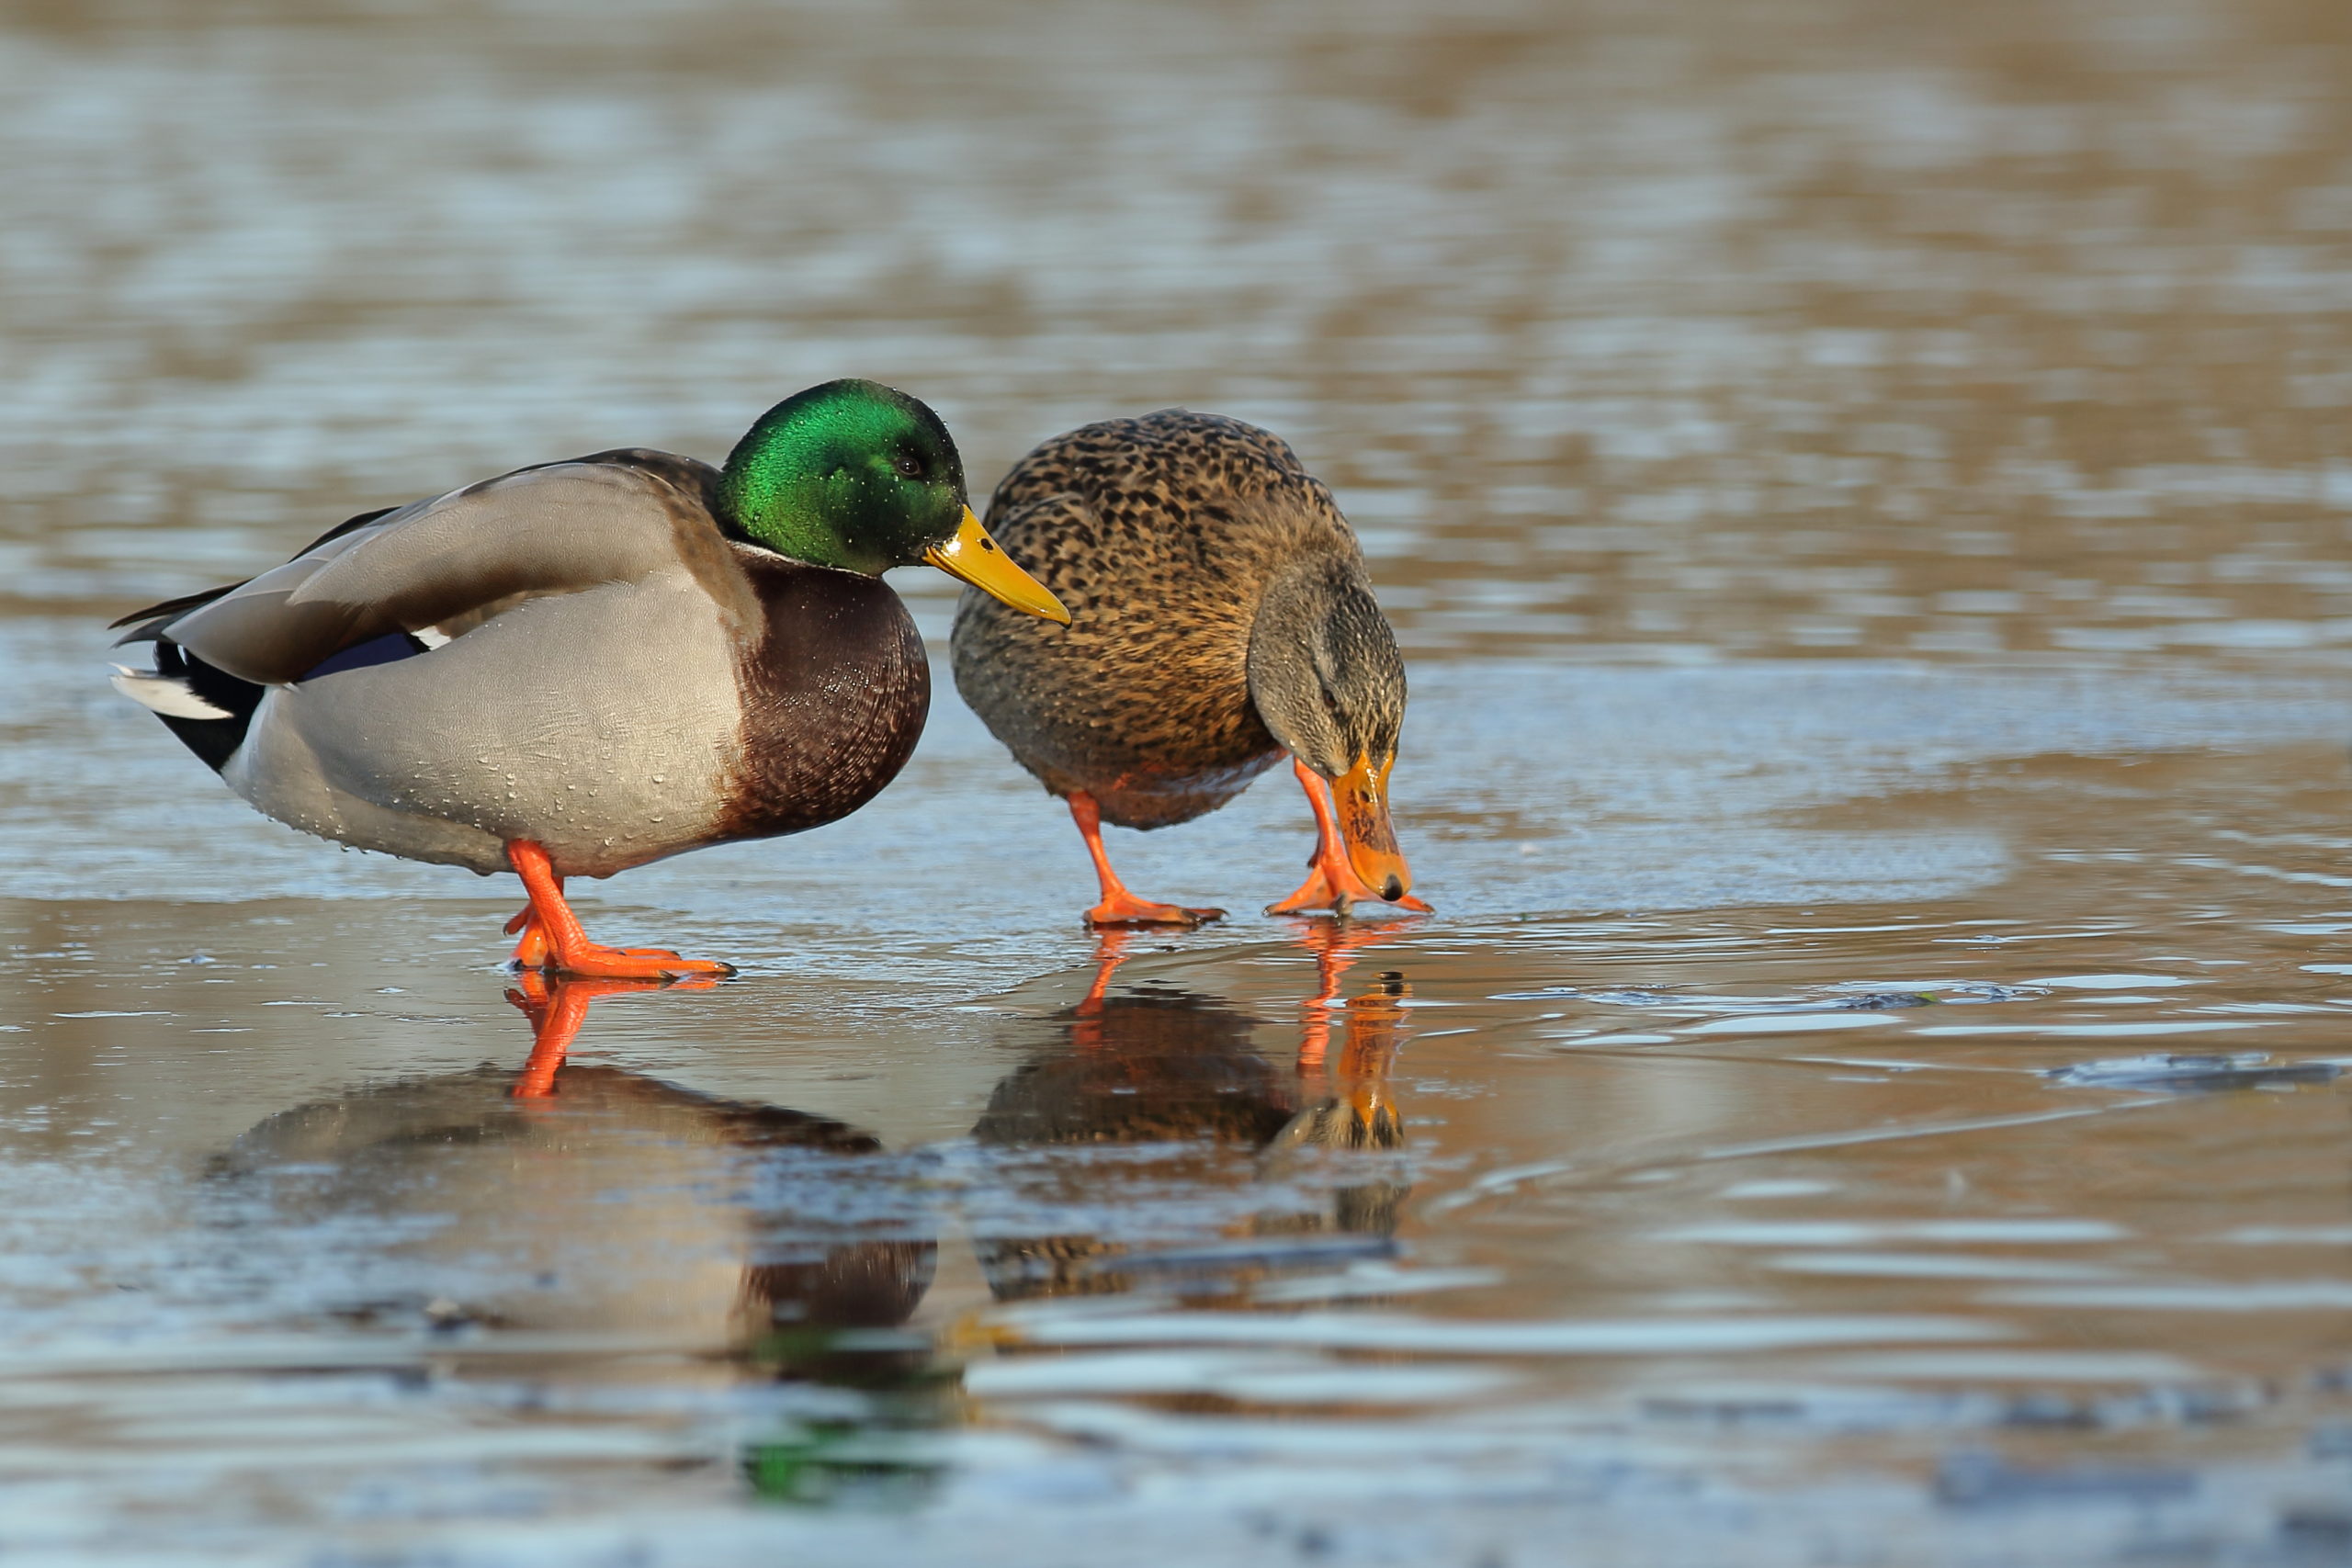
(1361, 796)
(972, 556)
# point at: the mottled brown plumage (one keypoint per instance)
(1159, 535)
(1220, 617)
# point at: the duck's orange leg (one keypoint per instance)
(531, 951)
(552, 933)
(1332, 884)
(1119, 907)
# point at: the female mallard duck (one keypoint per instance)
(584, 666)
(1220, 617)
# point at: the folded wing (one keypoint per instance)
(434, 568)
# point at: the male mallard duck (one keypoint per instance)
(1220, 617)
(582, 666)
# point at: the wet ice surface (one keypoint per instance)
(1864, 495)
(1962, 1166)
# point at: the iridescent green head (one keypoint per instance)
(851, 474)
(858, 475)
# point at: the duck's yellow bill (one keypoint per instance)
(972, 556)
(1361, 796)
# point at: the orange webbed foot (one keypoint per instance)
(552, 940)
(1319, 893)
(530, 953)
(592, 961)
(1123, 909)
(1331, 880)
(1119, 907)
(536, 953)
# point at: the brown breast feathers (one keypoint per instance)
(835, 691)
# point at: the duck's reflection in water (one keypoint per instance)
(1211, 1174)
(604, 1208)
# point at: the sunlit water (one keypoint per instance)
(1865, 491)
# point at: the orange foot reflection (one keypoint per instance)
(1348, 1104)
(1110, 951)
(1335, 944)
(557, 1006)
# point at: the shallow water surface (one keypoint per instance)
(1864, 493)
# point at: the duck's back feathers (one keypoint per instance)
(145, 622)
(1160, 535)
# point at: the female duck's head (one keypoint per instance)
(861, 477)
(1327, 679)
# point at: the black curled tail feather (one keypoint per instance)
(214, 740)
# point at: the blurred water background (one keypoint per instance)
(1865, 491)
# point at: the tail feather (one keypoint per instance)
(208, 709)
(170, 696)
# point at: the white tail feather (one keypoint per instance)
(167, 694)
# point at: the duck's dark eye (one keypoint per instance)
(910, 467)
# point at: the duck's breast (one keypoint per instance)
(834, 693)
